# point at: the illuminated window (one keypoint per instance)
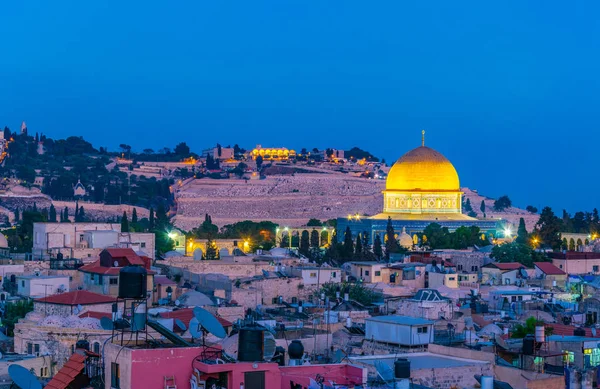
(377, 273)
(313, 275)
(568, 356)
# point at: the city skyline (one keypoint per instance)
(506, 94)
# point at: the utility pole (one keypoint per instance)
(46, 295)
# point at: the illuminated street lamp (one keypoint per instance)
(507, 232)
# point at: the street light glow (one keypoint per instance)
(507, 232)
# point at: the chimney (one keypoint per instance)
(347, 294)
(337, 292)
(300, 306)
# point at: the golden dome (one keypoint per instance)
(423, 169)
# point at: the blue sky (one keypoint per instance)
(507, 91)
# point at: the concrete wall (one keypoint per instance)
(527, 379)
(431, 310)
(67, 310)
(231, 270)
(577, 266)
(451, 377)
(41, 287)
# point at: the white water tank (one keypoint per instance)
(348, 321)
(487, 382)
(540, 334)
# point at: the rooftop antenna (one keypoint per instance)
(423, 138)
(23, 378)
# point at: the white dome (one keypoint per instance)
(3, 242)
(405, 240)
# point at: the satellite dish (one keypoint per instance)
(180, 325)
(106, 324)
(177, 302)
(79, 307)
(268, 346)
(384, 371)
(209, 322)
(116, 264)
(195, 330)
(593, 331)
(76, 310)
(23, 377)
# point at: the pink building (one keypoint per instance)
(573, 262)
(130, 367)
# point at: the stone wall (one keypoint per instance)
(232, 270)
(426, 309)
(67, 310)
(264, 291)
(446, 378)
(528, 379)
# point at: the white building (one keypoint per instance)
(34, 286)
(86, 240)
(400, 330)
(312, 275)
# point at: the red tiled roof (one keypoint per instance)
(67, 374)
(567, 330)
(549, 268)
(130, 255)
(507, 266)
(186, 314)
(78, 297)
(96, 315)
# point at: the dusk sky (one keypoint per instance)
(508, 92)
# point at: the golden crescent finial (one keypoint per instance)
(423, 138)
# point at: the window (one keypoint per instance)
(377, 273)
(520, 298)
(274, 300)
(313, 275)
(474, 268)
(113, 281)
(513, 299)
(568, 356)
(459, 267)
(80, 238)
(36, 350)
(97, 347)
(366, 272)
(115, 376)
(92, 277)
(333, 274)
(595, 269)
(451, 278)
(560, 266)
(22, 284)
(29, 348)
(100, 280)
(294, 300)
(421, 330)
(143, 245)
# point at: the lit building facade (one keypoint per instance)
(272, 154)
(422, 187)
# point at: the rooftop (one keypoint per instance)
(420, 360)
(549, 269)
(77, 297)
(32, 276)
(186, 314)
(570, 338)
(403, 320)
(367, 263)
(513, 292)
(505, 266)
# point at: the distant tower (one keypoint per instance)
(24, 128)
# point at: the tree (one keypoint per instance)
(14, 312)
(482, 207)
(377, 250)
(438, 237)
(134, 217)
(531, 209)
(348, 248)
(517, 252)
(151, 219)
(259, 162)
(357, 292)
(66, 215)
(391, 244)
(521, 330)
(522, 234)
(211, 253)
(549, 226)
(468, 207)
(314, 223)
(81, 214)
(124, 222)
(52, 214)
(358, 248)
(304, 243)
(502, 203)
(182, 149)
(16, 215)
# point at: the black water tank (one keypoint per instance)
(250, 344)
(82, 344)
(296, 349)
(59, 256)
(579, 331)
(132, 282)
(279, 356)
(528, 344)
(402, 368)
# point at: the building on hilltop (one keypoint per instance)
(422, 187)
(272, 154)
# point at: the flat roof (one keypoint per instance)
(420, 360)
(367, 263)
(513, 292)
(571, 338)
(403, 320)
(32, 276)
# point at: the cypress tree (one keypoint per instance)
(134, 217)
(348, 243)
(522, 232)
(377, 249)
(16, 215)
(391, 245)
(151, 219)
(81, 214)
(124, 223)
(482, 207)
(34, 207)
(358, 248)
(52, 214)
(66, 215)
(76, 211)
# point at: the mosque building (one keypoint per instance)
(422, 187)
